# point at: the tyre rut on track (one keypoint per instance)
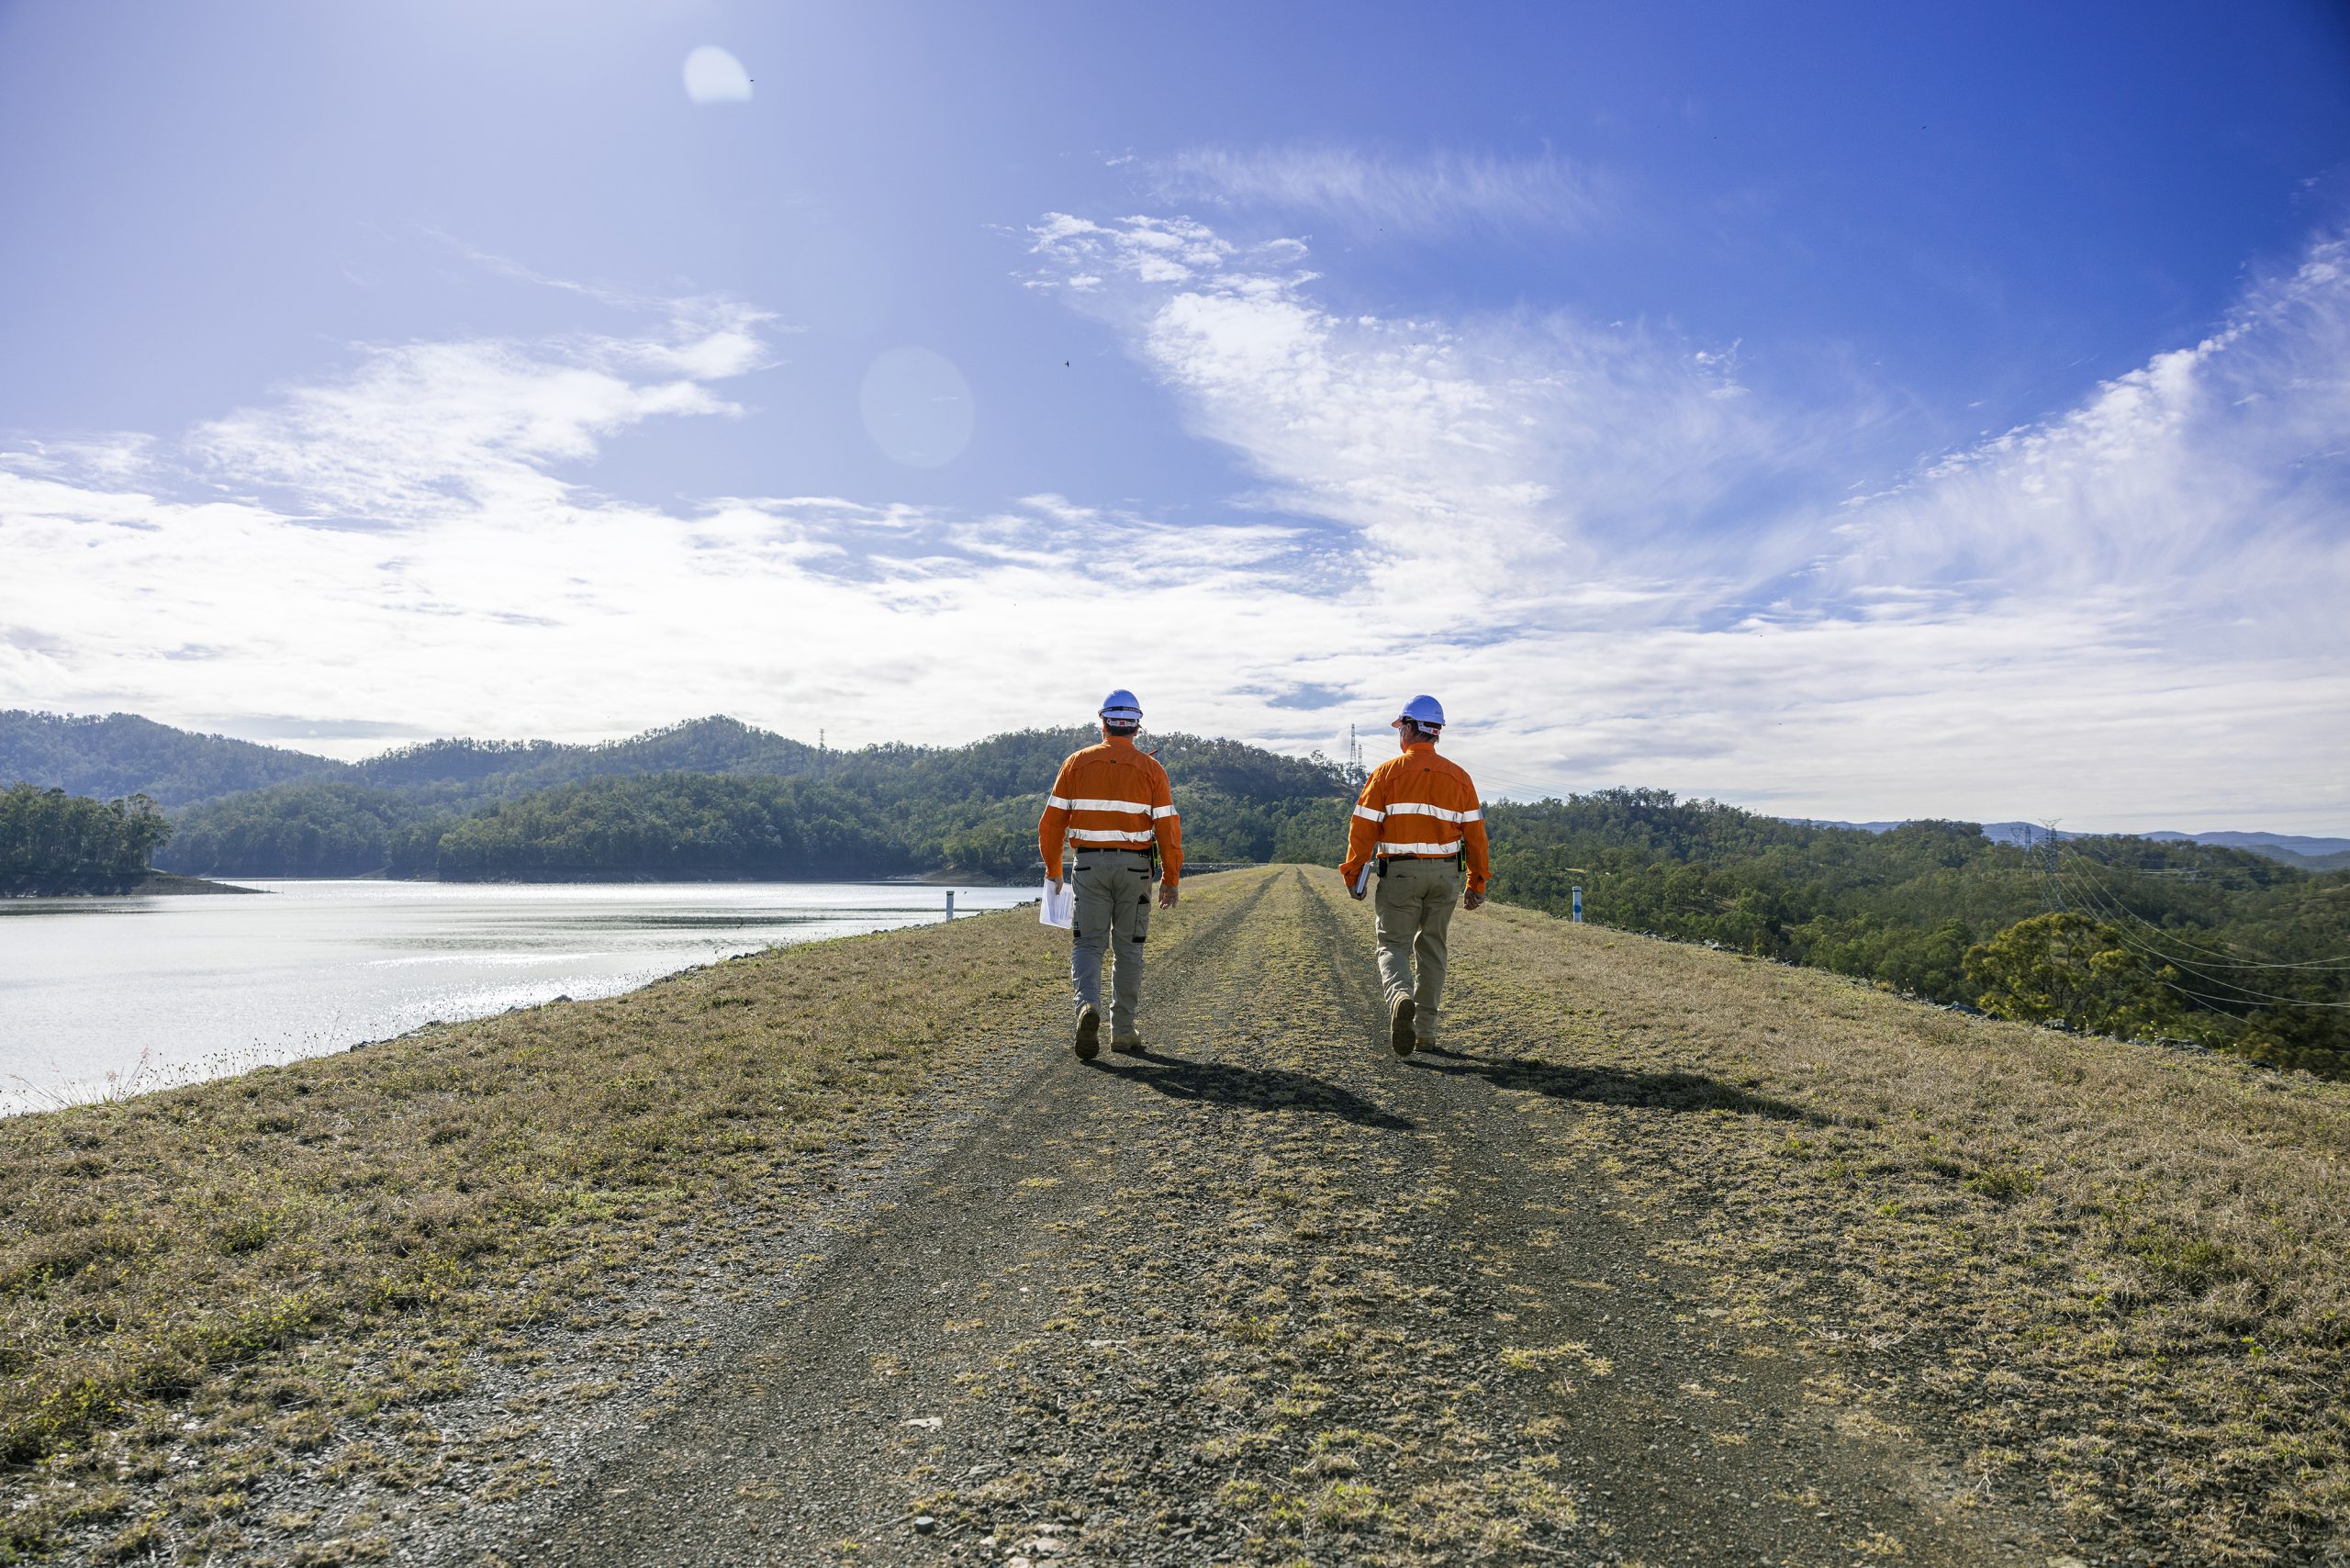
(1268, 1294)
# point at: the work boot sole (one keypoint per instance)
(1088, 1032)
(1398, 1026)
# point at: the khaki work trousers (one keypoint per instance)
(1414, 902)
(1112, 915)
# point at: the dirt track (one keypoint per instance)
(1272, 1293)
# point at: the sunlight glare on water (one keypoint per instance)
(158, 991)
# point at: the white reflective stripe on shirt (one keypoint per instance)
(1109, 835)
(1162, 811)
(1415, 809)
(1055, 803)
(1140, 807)
(1369, 815)
(1433, 850)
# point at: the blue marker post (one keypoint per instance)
(1578, 904)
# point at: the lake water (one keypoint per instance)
(132, 994)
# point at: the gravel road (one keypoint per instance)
(1272, 1293)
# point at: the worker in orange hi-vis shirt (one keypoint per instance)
(1420, 823)
(1112, 808)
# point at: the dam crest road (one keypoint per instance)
(1272, 1293)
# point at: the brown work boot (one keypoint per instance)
(1088, 1032)
(1126, 1045)
(1398, 1025)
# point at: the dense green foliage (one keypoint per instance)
(2067, 969)
(307, 830)
(684, 825)
(2171, 938)
(52, 842)
(468, 768)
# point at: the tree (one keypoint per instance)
(52, 842)
(2066, 967)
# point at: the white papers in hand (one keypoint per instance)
(1363, 879)
(1060, 907)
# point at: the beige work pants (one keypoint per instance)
(1414, 902)
(1113, 915)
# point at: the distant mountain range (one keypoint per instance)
(2292, 849)
(122, 754)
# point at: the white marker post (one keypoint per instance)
(1578, 904)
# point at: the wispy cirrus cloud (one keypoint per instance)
(2224, 463)
(1639, 568)
(1534, 445)
(1429, 194)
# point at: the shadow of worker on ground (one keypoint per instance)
(1609, 1086)
(1250, 1088)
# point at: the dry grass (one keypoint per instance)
(2118, 1278)
(2110, 1283)
(201, 1285)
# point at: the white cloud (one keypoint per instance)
(2124, 609)
(1432, 193)
(2127, 614)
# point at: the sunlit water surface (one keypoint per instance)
(109, 995)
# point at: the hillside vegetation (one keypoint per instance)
(609, 812)
(2177, 939)
(122, 755)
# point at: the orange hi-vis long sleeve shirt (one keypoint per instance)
(1112, 797)
(1418, 805)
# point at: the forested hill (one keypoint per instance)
(719, 798)
(123, 754)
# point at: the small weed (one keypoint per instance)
(1346, 1505)
(2003, 1184)
(1252, 1330)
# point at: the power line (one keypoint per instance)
(2108, 909)
(2214, 957)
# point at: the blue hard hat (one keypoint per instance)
(1424, 711)
(1120, 708)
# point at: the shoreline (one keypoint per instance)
(146, 1066)
(156, 884)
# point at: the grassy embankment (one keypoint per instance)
(2115, 1278)
(203, 1287)
(2106, 1279)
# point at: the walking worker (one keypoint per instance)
(1113, 807)
(1420, 823)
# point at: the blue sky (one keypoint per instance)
(1866, 412)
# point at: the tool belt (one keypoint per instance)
(1148, 852)
(1460, 858)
